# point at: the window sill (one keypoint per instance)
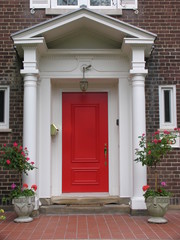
(8, 130)
(57, 11)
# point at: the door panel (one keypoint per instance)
(84, 135)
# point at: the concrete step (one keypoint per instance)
(85, 209)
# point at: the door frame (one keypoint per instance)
(56, 144)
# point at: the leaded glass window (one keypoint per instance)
(67, 2)
(100, 2)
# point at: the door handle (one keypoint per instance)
(105, 153)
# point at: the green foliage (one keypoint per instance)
(16, 158)
(23, 191)
(151, 152)
(161, 192)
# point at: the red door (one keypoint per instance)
(84, 142)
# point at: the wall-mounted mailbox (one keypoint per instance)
(54, 130)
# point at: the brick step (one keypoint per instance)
(85, 209)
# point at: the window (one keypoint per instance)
(167, 106)
(115, 4)
(4, 107)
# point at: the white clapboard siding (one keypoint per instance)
(40, 3)
(129, 4)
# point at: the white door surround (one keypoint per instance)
(53, 59)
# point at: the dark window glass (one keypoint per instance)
(167, 105)
(2, 94)
(100, 2)
(67, 2)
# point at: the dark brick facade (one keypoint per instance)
(161, 17)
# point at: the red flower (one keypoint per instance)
(8, 161)
(159, 140)
(155, 141)
(156, 133)
(149, 152)
(27, 159)
(23, 154)
(15, 144)
(25, 185)
(34, 186)
(145, 188)
(32, 163)
(25, 148)
(166, 132)
(20, 148)
(4, 145)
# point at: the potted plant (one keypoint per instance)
(16, 158)
(24, 201)
(150, 154)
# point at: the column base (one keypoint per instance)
(138, 203)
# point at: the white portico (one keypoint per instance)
(54, 54)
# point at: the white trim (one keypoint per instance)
(173, 123)
(5, 124)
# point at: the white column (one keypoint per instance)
(138, 128)
(30, 122)
(138, 73)
(30, 73)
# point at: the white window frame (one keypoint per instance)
(117, 5)
(173, 124)
(5, 124)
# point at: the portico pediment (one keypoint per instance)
(81, 29)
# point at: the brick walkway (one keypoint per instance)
(90, 227)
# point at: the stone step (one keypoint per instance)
(101, 200)
(85, 209)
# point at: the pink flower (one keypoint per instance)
(13, 186)
(25, 185)
(143, 134)
(4, 145)
(15, 144)
(27, 159)
(32, 163)
(8, 161)
(159, 140)
(25, 148)
(149, 152)
(163, 184)
(20, 148)
(34, 186)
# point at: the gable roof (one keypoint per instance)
(82, 17)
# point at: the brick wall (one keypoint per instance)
(161, 17)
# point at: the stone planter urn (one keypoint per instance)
(157, 207)
(23, 206)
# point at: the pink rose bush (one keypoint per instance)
(150, 153)
(15, 157)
